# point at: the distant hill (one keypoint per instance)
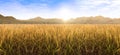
(79, 20)
(91, 20)
(1, 16)
(36, 19)
(7, 19)
(47, 21)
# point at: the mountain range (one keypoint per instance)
(78, 20)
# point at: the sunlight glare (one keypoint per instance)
(66, 19)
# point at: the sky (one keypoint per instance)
(64, 9)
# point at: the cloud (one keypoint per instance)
(76, 8)
(100, 7)
(23, 11)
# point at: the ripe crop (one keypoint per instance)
(59, 39)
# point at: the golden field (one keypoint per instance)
(59, 39)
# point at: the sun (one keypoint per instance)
(66, 19)
(65, 13)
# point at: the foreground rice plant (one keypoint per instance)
(56, 39)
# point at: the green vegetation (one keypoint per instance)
(56, 39)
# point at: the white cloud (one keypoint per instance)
(108, 8)
(20, 11)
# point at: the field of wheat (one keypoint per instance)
(59, 39)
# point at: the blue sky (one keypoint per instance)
(25, 9)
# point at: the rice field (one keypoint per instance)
(59, 39)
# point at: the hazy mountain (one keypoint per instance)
(1, 16)
(79, 20)
(47, 20)
(36, 19)
(92, 20)
(7, 19)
